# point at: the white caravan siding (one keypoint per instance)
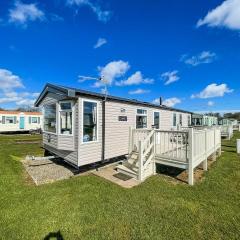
(63, 146)
(117, 132)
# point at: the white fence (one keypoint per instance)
(202, 144)
(227, 131)
(171, 145)
(187, 148)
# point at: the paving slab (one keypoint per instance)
(108, 173)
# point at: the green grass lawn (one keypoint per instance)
(89, 207)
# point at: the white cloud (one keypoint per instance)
(100, 42)
(135, 79)
(9, 81)
(112, 71)
(225, 15)
(25, 102)
(138, 91)
(213, 90)
(170, 77)
(203, 57)
(210, 103)
(103, 16)
(169, 102)
(21, 13)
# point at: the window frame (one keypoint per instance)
(43, 124)
(82, 120)
(32, 120)
(158, 120)
(141, 114)
(174, 115)
(180, 119)
(13, 118)
(59, 110)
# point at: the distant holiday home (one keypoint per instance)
(204, 120)
(16, 121)
(83, 127)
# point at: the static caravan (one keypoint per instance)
(83, 127)
(16, 121)
(204, 120)
(210, 120)
(225, 122)
(197, 120)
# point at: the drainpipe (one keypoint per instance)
(103, 128)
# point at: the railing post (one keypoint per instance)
(130, 140)
(154, 151)
(191, 157)
(206, 156)
(140, 161)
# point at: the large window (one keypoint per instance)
(50, 118)
(65, 112)
(174, 119)
(156, 119)
(89, 121)
(141, 118)
(180, 119)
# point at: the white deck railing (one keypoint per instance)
(227, 131)
(190, 147)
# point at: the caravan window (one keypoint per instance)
(174, 119)
(10, 120)
(34, 120)
(180, 119)
(156, 119)
(141, 118)
(89, 121)
(50, 118)
(66, 120)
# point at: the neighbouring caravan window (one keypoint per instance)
(34, 120)
(180, 119)
(89, 121)
(156, 119)
(50, 118)
(141, 118)
(66, 118)
(10, 120)
(174, 119)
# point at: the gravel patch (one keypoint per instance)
(48, 171)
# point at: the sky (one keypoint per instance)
(187, 52)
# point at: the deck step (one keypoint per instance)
(125, 170)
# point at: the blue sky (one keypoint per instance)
(186, 51)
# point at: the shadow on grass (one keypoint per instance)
(175, 173)
(54, 236)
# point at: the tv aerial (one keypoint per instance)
(101, 79)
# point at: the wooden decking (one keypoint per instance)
(181, 149)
